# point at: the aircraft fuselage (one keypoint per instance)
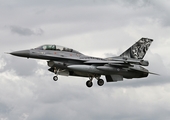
(69, 62)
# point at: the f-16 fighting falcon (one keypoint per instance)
(69, 62)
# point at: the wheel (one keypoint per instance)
(89, 83)
(55, 78)
(100, 82)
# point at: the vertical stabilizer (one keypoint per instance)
(138, 50)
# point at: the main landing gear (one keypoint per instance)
(89, 83)
(100, 82)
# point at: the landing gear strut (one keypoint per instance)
(55, 78)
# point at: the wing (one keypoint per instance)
(119, 61)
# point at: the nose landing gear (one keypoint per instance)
(55, 78)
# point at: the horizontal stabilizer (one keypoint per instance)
(153, 73)
(141, 69)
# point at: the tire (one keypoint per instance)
(89, 84)
(100, 82)
(55, 78)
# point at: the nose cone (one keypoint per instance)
(22, 53)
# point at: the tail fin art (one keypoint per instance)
(138, 50)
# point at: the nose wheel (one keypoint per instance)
(55, 78)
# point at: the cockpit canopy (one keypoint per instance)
(56, 48)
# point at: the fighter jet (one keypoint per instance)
(68, 62)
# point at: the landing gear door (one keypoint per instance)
(114, 78)
(63, 72)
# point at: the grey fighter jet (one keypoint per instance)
(69, 62)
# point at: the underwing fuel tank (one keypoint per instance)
(93, 69)
(85, 68)
(108, 69)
